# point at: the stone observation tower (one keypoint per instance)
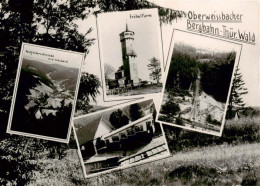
(129, 57)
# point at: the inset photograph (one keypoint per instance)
(45, 93)
(119, 138)
(131, 53)
(198, 83)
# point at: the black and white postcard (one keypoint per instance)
(45, 93)
(199, 77)
(130, 49)
(119, 137)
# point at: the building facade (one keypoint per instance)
(105, 147)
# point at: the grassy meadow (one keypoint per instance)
(233, 159)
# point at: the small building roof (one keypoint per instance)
(127, 126)
(87, 132)
(121, 68)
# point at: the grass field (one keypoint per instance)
(197, 159)
(217, 165)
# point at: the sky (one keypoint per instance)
(201, 42)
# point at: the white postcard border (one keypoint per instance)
(169, 57)
(160, 47)
(8, 130)
(168, 154)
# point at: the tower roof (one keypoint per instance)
(126, 27)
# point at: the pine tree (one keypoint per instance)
(236, 102)
(170, 109)
(118, 118)
(88, 89)
(135, 112)
(155, 67)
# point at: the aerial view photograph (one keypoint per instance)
(45, 92)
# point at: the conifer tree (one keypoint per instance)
(135, 112)
(236, 102)
(155, 68)
(118, 118)
(88, 89)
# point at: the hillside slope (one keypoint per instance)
(217, 165)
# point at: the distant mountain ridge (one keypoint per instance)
(46, 87)
(54, 73)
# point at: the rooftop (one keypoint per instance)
(127, 126)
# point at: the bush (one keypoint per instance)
(170, 108)
(245, 130)
(179, 120)
(192, 173)
(241, 131)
